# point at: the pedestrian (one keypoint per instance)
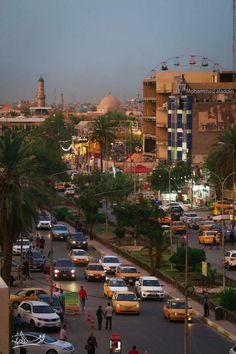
(133, 350)
(37, 240)
(108, 315)
(91, 344)
(57, 293)
(63, 334)
(231, 237)
(214, 242)
(83, 297)
(78, 225)
(25, 270)
(62, 299)
(100, 315)
(42, 243)
(206, 303)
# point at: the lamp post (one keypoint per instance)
(222, 183)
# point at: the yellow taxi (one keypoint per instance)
(126, 302)
(206, 225)
(164, 220)
(128, 272)
(174, 310)
(178, 227)
(94, 271)
(78, 257)
(114, 285)
(218, 204)
(26, 294)
(206, 237)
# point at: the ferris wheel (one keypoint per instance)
(186, 63)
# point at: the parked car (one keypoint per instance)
(69, 191)
(41, 343)
(126, 302)
(35, 259)
(149, 287)
(129, 273)
(114, 285)
(19, 245)
(54, 302)
(94, 271)
(206, 237)
(77, 240)
(38, 314)
(78, 257)
(44, 222)
(60, 232)
(110, 263)
(174, 310)
(26, 294)
(64, 269)
(230, 259)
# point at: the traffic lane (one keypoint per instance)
(213, 256)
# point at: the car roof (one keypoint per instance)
(59, 224)
(36, 302)
(126, 293)
(63, 259)
(33, 289)
(90, 263)
(128, 266)
(146, 277)
(106, 256)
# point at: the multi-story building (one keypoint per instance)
(176, 108)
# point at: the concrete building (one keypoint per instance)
(174, 122)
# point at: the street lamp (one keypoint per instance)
(222, 183)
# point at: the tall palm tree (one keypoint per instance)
(22, 192)
(103, 133)
(222, 157)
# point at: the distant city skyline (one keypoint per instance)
(87, 49)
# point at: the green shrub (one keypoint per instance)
(195, 257)
(61, 213)
(101, 218)
(228, 299)
(119, 232)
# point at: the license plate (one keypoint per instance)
(64, 275)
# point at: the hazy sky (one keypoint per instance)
(87, 48)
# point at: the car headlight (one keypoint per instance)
(87, 259)
(73, 242)
(118, 305)
(40, 319)
(84, 242)
(72, 271)
(137, 305)
(74, 259)
(56, 271)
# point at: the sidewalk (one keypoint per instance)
(223, 327)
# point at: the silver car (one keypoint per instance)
(36, 342)
(60, 232)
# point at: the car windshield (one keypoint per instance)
(151, 282)
(49, 340)
(36, 254)
(95, 267)
(178, 223)
(44, 218)
(53, 302)
(110, 260)
(42, 309)
(128, 270)
(127, 297)
(117, 283)
(20, 293)
(178, 305)
(60, 228)
(64, 263)
(78, 253)
(78, 237)
(210, 233)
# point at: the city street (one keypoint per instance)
(149, 330)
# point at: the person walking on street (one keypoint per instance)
(214, 242)
(133, 350)
(91, 344)
(231, 236)
(63, 334)
(42, 243)
(206, 303)
(83, 297)
(37, 241)
(62, 299)
(100, 315)
(108, 315)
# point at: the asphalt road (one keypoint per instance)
(148, 331)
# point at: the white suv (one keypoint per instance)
(19, 245)
(38, 314)
(110, 263)
(149, 287)
(230, 259)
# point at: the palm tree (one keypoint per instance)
(222, 158)
(103, 133)
(22, 192)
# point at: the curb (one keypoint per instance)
(215, 326)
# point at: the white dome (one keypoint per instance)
(109, 104)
